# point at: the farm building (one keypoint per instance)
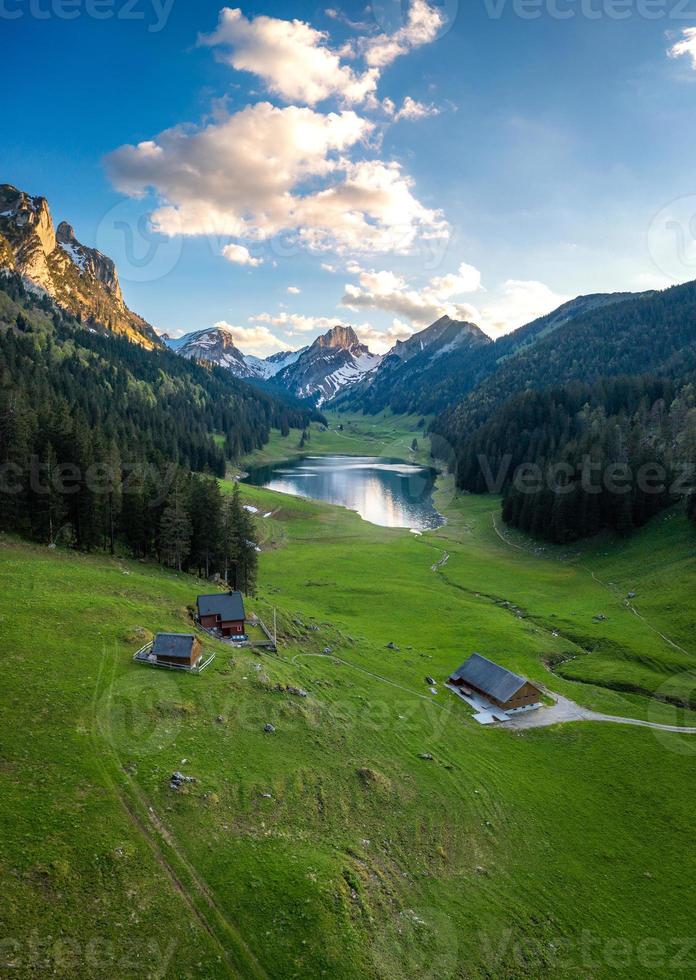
(506, 690)
(223, 611)
(176, 650)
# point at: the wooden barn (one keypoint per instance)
(176, 650)
(223, 611)
(506, 690)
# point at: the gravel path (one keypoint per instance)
(567, 710)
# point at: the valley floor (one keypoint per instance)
(330, 846)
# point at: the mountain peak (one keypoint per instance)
(338, 337)
(65, 233)
(441, 336)
(79, 279)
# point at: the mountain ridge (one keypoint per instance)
(80, 280)
(334, 361)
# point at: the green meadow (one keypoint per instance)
(330, 846)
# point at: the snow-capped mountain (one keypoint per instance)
(268, 367)
(444, 346)
(332, 363)
(442, 337)
(216, 345)
(79, 279)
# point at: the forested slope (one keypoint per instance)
(605, 410)
(84, 415)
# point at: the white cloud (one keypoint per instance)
(412, 110)
(240, 254)
(423, 23)
(687, 46)
(372, 209)
(652, 280)
(380, 341)
(298, 323)
(520, 302)
(384, 290)
(256, 340)
(292, 57)
(294, 290)
(247, 176)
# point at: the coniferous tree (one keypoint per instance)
(175, 529)
(205, 509)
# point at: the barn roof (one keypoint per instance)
(173, 645)
(489, 677)
(227, 605)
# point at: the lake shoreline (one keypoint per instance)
(387, 491)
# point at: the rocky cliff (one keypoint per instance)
(80, 279)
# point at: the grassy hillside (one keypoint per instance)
(379, 435)
(330, 846)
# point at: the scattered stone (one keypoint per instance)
(600, 618)
(299, 691)
(298, 622)
(425, 755)
(433, 690)
(328, 650)
(392, 646)
(220, 720)
(631, 595)
(430, 680)
(269, 728)
(266, 796)
(178, 778)
(313, 627)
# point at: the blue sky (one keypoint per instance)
(534, 158)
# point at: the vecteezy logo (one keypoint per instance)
(671, 712)
(141, 254)
(672, 239)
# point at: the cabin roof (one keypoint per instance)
(489, 677)
(173, 645)
(226, 605)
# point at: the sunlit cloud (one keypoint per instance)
(240, 255)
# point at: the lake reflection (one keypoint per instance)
(383, 491)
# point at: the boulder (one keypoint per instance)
(178, 778)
